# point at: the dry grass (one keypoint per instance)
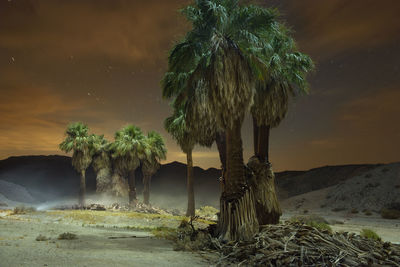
(23, 210)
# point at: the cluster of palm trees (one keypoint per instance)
(115, 162)
(236, 60)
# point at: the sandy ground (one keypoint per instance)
(388, 230)
(103, 244)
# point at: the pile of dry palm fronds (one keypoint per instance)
(296, 244)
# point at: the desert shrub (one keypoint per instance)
(23, 210)
(397, 186)
(190, 239)
(305, 211)
(385, 170)
(390, 214)
(338, 209)
(367, 212)
(165, 233)
(320, 226)
(67, 236)
(354, 210)
(322, 206)
(368, 233)
(41, 238)
(207, 212)
(368, 175)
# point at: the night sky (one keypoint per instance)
(100, 62)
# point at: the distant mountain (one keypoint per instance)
(52, 177)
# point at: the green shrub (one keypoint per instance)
(312, 220)
(390, 214)
(368, 233)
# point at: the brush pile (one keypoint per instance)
(297, 244)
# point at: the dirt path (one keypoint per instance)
(93, 247)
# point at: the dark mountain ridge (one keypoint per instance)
(52, 177)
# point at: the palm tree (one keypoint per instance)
(155, 152)
(176, 126)
(127, 151)
(223, 56)
(101, 163)
(78, 141)
(288, 69)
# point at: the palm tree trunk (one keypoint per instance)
(267, 205)
(146, 188)
(220, 140)
(190, 188)
(237, 219)
(132, 188)
(82, 189)
(255, 136)
(263, 183)
(261, 141)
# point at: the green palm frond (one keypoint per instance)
(128, 148)
(79, 142)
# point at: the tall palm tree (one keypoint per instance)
(101, 163)
(288, 69)
(127, 152)
(79, 142)
(287, 74)
(176, 126)
(224, 53)
(155, 152)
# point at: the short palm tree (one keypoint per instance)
(155, 152)
(79, 142)
(101, 163)
(127, 152)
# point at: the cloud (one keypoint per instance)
(329, 28)
(137, 31)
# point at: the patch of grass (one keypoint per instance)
(368, 233)
(354, 210)
(390, 214)
(312, 220)
(23, 210)
(42, 238)
(67, 236)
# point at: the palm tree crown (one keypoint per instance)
(155, 151)
(128, 148)
(78, 140)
